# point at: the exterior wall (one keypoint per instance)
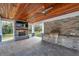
(66, 26)
(69, 32)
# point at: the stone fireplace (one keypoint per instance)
(21, 30)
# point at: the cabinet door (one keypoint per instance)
(59, 41)
(65, 41)
(69, 42)
(76, 43)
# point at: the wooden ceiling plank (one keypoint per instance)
(55, 13)
(32, 12)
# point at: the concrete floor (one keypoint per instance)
(34, 47)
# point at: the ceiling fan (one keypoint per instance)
(44, 11)
(41, 12)
(47, 10)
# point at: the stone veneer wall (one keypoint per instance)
(66, 41)
(67, 26)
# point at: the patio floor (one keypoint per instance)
(34, 47)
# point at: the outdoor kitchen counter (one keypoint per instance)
(63, 40)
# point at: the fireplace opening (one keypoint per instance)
(21, 33)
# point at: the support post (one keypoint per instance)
(0, 30)
(42, 33)
(33, 30)
(14, 30)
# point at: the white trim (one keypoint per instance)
(33, 28)
(42, 27)
(14, 30)
(1, 29)
(60, 17)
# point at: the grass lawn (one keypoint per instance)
(7, 37)
(37, 33)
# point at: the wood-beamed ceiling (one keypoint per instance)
(32, 12)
